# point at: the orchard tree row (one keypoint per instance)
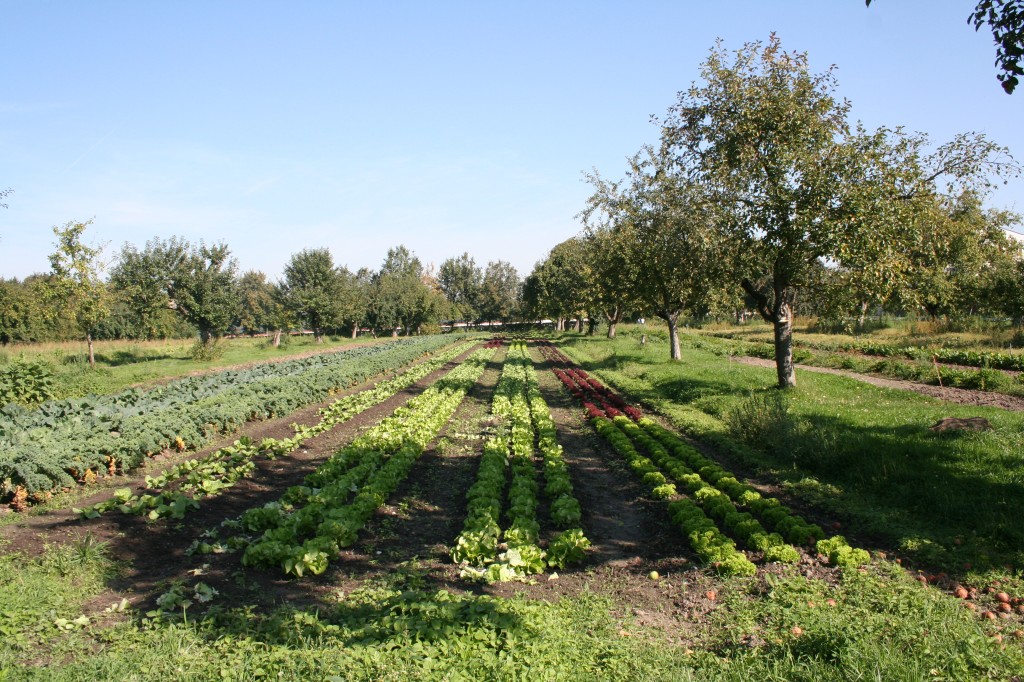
(762, 194)
(172, 288)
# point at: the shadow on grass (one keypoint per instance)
(949, 500)
(118, 358)
(398, 614)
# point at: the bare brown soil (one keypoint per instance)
(961, 396)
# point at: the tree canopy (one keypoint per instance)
(75, 285)
(312, 289)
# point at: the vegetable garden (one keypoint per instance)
(450, 509)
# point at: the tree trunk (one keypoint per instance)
(579, 324)
(394, 332)
(862, 316)
(277, 338)
(675, 352)
(355, 329)
(783, 328)
(92, 357)
(613, 320)
(781, 317)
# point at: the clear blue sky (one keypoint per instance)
(443, 126)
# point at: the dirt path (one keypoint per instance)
(961, 396)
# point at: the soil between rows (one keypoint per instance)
(631, 535)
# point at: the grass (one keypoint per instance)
(867, 624)
(860, 454)
(392, 630)
(973, 334)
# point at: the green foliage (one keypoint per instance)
(400, 296)
(26, 382)
(339, 498)
(206, 351)
(461, 280)
(75, 287)
(840, 553)
(312, 289)
(523, 413)
(42, 449)
(1007, 23)
(498, 297)
(198, 282)
(763, 421)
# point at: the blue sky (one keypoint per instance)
(443, 126)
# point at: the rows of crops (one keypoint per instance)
(728, 524)
(63, 443)
(525, 425)
(302, 531)
(709, 506)
(179, 489)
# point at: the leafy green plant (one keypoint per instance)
(26, 382)
(763, 421)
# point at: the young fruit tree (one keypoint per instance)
(679, 254)
(609, 236)
(75, 286)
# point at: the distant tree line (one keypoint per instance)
(171, 288)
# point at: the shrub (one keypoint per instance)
(205, 352)
(763, 421)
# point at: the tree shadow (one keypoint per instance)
(118, 358)
(948, 501)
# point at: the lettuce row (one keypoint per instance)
(212, 475)
(716, 504)
(707, 541)
(312, 522)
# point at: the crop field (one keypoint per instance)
(468, 508)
